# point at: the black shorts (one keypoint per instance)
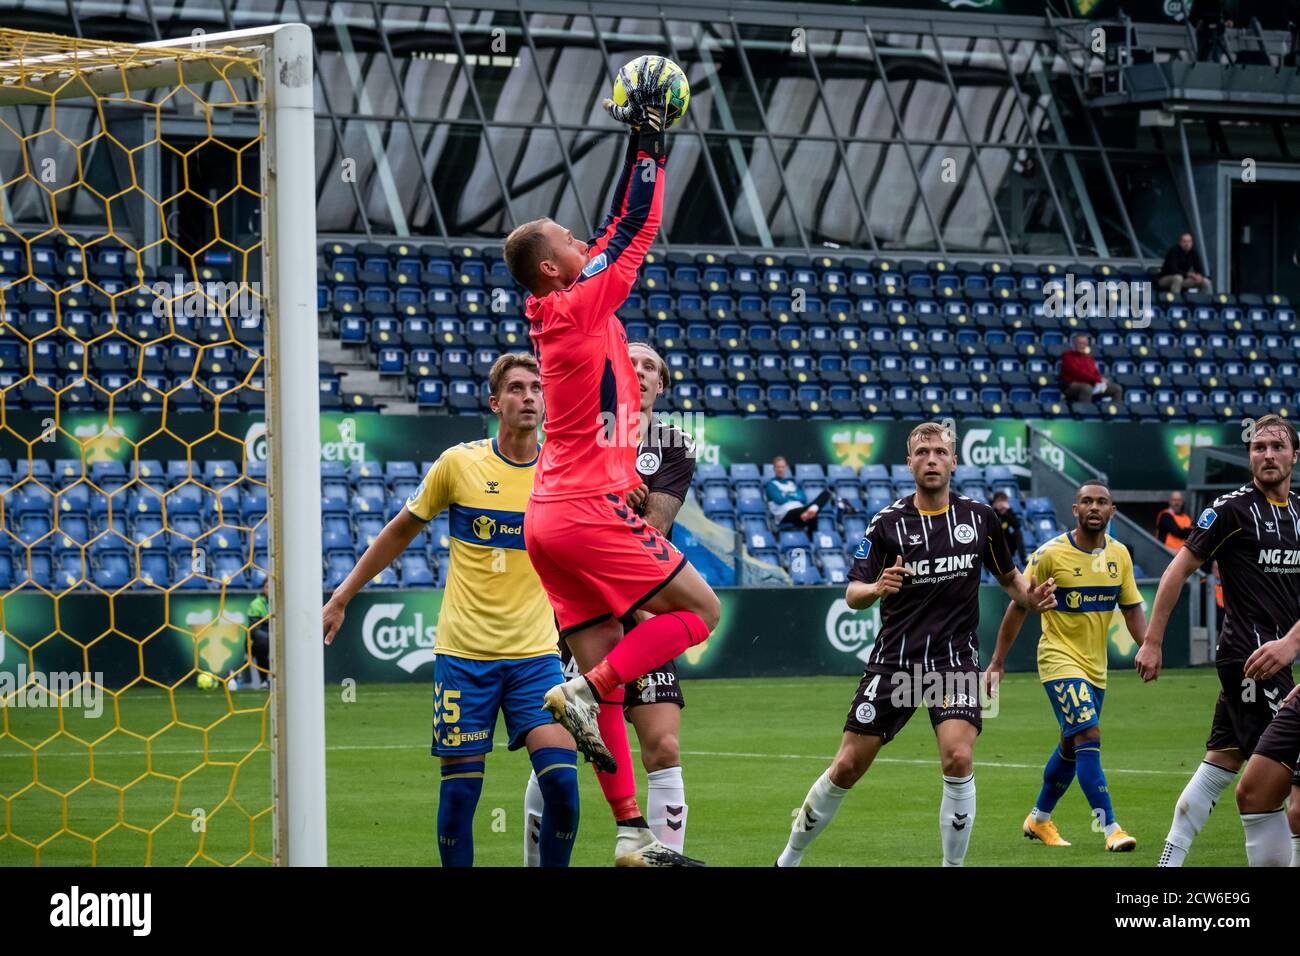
(1280, 740)
(1245, 708)
(660, 686)
(882, 706)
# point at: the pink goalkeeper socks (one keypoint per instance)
(619, 787)
(654, 643)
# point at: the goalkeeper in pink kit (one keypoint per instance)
(597, 560)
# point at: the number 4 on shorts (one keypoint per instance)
(869, 692)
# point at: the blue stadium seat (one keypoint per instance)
(750, 501)
(717, 500)
(711, 475)
(154, 569)
(1039, 506)
(835, 566)
(416, 571)
(758, 536)
(745, 474)
(368, 527)
(34, 567)
(804, 571)
(791, 540)
(828, 540)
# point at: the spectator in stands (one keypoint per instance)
(1173, 524)
(1183, 269)
(1204, 39)
(1010, 525)
(1293, 26)
(786, 501)
(1080, 379)
(1212, 40)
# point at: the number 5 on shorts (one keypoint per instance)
(451, 709)
(445, 708)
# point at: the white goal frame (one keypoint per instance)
(296, 583)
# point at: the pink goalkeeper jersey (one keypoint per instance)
(593, 398)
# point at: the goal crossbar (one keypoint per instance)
(103, 68)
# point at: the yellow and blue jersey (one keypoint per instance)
(1089, 589)
(493, 607)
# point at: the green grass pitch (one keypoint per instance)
(751, 749)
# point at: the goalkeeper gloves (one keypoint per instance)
(647, 100)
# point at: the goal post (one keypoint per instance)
(41, 73)
(289, 181)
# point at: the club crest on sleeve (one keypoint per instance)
(596, 265)
(1207, 518)
(864, 548)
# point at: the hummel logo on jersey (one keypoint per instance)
(959, 821)
(913, 539)
(1268, 526)
(492, 487)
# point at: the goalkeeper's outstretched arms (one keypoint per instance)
(585, 282)
(618, 201)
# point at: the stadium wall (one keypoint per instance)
(389, 635)
(1133, 455)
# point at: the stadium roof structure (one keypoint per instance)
(811, 126)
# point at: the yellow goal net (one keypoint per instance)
(160, 680)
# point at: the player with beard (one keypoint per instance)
(1254, 535)
(921, 558)
(1094, 576)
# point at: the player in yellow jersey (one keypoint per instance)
(497, 648)
(1094, 576)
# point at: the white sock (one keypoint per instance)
(532, 821)
(818, 809)
(666, 806)
(956, 818)
(1111, 828)
(1295, 849)
(1192, 810)
(1040, 816)
(1266, 838)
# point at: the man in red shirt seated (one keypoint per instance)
(1080, 379)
